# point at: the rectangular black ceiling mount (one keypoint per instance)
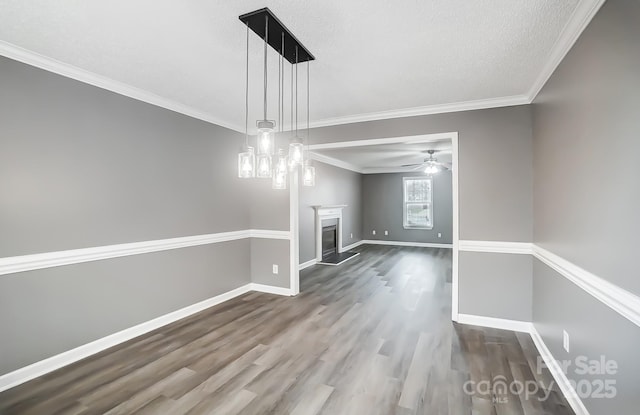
(256, 22)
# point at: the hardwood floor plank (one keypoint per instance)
(145, 396)
(371, 336)
(418, 375)
(233, 404)
(312, 402)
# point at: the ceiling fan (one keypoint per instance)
(430, 165)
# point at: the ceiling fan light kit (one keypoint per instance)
(263, 161)
(430, 165)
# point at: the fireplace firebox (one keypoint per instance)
(329, 241)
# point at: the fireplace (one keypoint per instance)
(329, 236)
(329, 241)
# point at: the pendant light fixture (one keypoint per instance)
(263, 161)
(309, 171)
(296, 147)
(265, 140)
(279, 181)
(246, 158)
(280, 172)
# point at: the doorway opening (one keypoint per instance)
(403, 157)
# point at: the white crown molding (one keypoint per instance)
(622, 301)
(27, 373)
(414, 139)
(384, 170)
(496, 247)
(402, 243)
(410, 139)
(31, 262)
(558, 374)
(496, 323)
(425, 110)
(19, 54)
(334, 162)
(579, 20)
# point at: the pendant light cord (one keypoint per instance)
(281, 82)
(246, 97)
(308, 106)
(296, 90)
(266, 40)
(292, 129)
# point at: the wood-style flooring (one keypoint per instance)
(371, 336)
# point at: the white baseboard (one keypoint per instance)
(314, 261)
(554, 367)
(558, 374)
(496, 323)
(27, 373)
(352, 246)
(270, 289)
(307, 264)
(401, 243)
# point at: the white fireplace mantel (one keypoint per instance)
(324, 212)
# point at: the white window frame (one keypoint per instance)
(405, 203)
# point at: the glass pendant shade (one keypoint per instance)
(279, 181)
(281, 163)
(309, 175)
(296, 153)
(263, 170)
(246, 163)
(280, 172)
(266, 137)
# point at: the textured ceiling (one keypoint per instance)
(373, 56)
(384, 157)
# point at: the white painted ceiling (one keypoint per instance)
(383, 158)
(375, 58)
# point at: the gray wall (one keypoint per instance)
(83, 167)
(587, 146)
(334, 186)
(264, 254)
(269, 208)
(495, 191)
(495, 158)
(586, 150)
(49, 311)
(495, 285)
(382, 207)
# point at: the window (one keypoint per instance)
(418, 202)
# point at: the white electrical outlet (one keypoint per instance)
(275, 269)
(351, 236)
(565, 340)
(386, 232)
(439, 234)
(373, 232)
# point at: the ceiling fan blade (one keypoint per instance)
(412, 164)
